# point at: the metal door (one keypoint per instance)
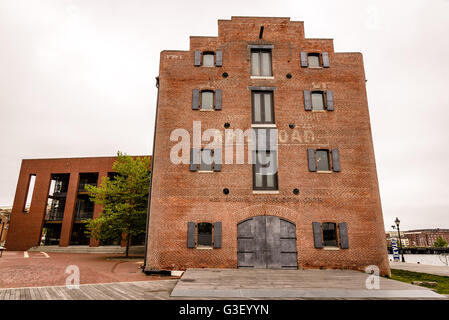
(267, 242)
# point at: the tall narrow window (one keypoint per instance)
(204, 234)
(207, 100)
(317, 100)
(208, 59)
(330, 234)
(322, 160)
(314, 60)
(263, 111)
(261, 62)
(265, 171)
(29, 196)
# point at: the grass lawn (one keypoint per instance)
(409, 276)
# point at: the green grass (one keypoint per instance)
(409, 276)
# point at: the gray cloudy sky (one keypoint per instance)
(77, 79)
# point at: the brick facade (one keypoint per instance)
(426, 237)
(179, 196)
(25, 228)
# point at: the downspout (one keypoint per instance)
(151, 179)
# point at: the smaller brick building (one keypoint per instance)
(51, 202)
(4, 223)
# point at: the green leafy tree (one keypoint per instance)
(124, 199)
(440, 243)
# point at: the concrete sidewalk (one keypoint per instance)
(299, 284)
(424, 268)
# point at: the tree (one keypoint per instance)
(124, 198)
(440, 243)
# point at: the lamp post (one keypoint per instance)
(397, 221)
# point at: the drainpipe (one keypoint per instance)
(151, 179)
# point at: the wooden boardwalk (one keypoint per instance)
(139, 290)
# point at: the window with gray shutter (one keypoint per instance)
(344, 243)
(206, 160)
(204, 234)
(217, 159)
(217, 234)
(197, 61)
(303, 59)
(207, 100)
(190, 234)
(311, 159)
(307, 100)
(326, 63)
(218, 58)
(194, 159)
(318, 100)
(195, 99)
(208, 59)
(218, 98)
(317, 240)
(336, 160)
(313, 60)
(330, 100)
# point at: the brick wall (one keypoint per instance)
(351, 196)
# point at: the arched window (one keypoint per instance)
(204, 234)
(330, 234)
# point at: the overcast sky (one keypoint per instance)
(77, 80)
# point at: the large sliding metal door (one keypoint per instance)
(267, 242)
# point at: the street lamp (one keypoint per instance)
(397, 221)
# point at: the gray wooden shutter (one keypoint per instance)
(317, 240)
(326, 63)
(311, 159)
(344, 243)
(219, 58)
(217, 159)
(307, 101)
(304, 59)
(190, 234)
(194, 159)
(218, 98)
(195, 99)
(330, 100)
(335, 160)
(217, 234)
(197, 58)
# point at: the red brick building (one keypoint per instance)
(319, 208)
(51, 202)
(426, 237)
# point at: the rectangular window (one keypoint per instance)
(265, 171)
(204, 234)
(317, 100)
(206, 160)
(322, 160)
(30, 190)
(313, 60)
(261, 62)
(330, 234)
(263, 110)
(57, 195)
(208, 59)
(207, 100)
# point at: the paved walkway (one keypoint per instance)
(209, 284)
(425, 268)
(262, 283)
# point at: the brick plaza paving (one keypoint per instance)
(39, 269)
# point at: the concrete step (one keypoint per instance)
(87, 249)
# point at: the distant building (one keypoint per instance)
(51, 204)
(5, 213)
(425, 237)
